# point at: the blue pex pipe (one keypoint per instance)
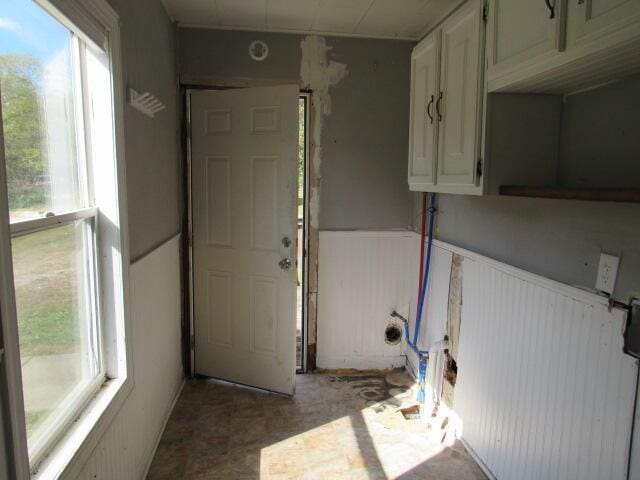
(422, 376)
(412, 345)
(422, 354)
(425, 283)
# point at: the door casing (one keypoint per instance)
(310, 252)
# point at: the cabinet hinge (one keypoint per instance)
(192, 342)
(479, 168)
(485, 11)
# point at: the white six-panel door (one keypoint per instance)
(244, 190)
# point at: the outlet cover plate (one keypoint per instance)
(607, 273)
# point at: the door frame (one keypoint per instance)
(306, 96)
(188, 335)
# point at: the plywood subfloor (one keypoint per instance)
(338, 426)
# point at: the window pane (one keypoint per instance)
(39, 112)
(58, 339)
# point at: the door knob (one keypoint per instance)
(285, 263)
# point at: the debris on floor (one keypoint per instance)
(411, 413)
(338, 425)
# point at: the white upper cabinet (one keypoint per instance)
(446, 101)
(521, 32)
(592, 19)
(560, 46)
(458, 102)
(425, 68)
(489, 85)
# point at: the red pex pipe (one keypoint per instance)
(423, 235)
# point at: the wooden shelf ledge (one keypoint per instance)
(626, 195)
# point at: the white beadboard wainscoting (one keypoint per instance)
(127, 447)
(362, 277)
(544, 390)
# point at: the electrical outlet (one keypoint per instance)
(607, 273)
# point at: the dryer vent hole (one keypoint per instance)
(393, 334)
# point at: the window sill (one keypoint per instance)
(72, 452)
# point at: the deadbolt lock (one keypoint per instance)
(286, 241)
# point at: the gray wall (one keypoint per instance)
(600, 144)
(365, 138)
(152, 145)
(223, 53)
(561, 239)
(365, 151)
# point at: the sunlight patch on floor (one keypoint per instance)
(338, 426)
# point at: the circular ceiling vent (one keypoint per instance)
(258, 50)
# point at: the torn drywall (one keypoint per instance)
(314, 203)
(318, 74)
(455, 304)
(454, 315)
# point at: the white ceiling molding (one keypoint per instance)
(386, 19)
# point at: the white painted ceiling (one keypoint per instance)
(402, 19)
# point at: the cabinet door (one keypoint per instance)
(425, 63)
(591, 19)
(522, 32)
(459, 98)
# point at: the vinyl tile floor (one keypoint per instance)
(337, 426)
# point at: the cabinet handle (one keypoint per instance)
(438, 107)
(552, 8)
(429, 110)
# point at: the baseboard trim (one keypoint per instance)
(362, 363)
(475, 456)
(164, 425)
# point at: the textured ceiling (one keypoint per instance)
(402, 19)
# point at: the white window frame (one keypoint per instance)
(57, 425)
(72, 450)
